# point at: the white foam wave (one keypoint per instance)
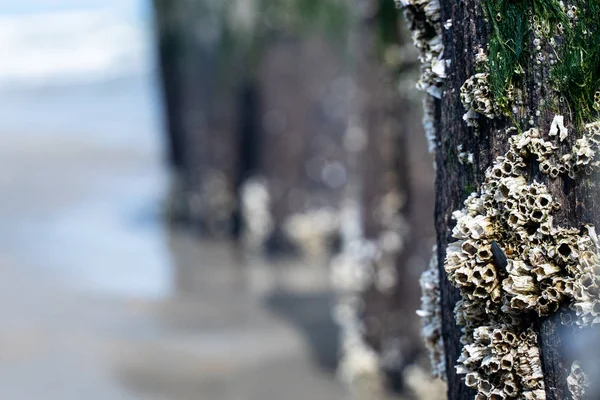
(61, 47)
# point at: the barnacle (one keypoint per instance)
(426, 26)
(463, 156)
(431, 316)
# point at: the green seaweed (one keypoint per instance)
(507, 51)
(576, 74)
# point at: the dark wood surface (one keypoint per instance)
(455, 181)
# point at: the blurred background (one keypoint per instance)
(210, 199)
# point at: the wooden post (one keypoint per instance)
(501, 73)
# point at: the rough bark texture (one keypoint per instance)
(454, 181)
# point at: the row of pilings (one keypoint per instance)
(301, 137)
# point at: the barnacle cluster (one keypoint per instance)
(424, 21)
(354, 270)
(312, 231)
(476, 97)
(585, 283)
(502, 363)
(256, 212)
(577, 382)
(509, 260)
(431, 316)
(586, 151)
(583, 158)
(477, 94)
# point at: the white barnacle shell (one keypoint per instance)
(592, 232)
(475, 205)
(558, 127)
(516, 219)
(438, 67)
(534, 394)
(454, 253)
(472, 379)
(485, 387)
(583, 151)
(471, 117)
(546, 270)
(491, 363)
(475, 352)
(519, 284)
(463, 276)
(507, 361)
(484, 254)
(483, 334)
(469, 247)
(480, 227)
(523, 302)
(461, 230)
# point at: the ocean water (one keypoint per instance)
(66, 42)
(82, 154)
(68, 64)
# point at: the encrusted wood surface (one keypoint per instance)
(456, 181)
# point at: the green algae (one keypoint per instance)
(575, 75)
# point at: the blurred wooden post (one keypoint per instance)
(302, 128)
(381, 121)
(200, 99)
(170, 42)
